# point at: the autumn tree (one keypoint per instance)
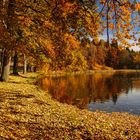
(136, 60)
(56, 33)
(122, 19)
(8, 39)
(62, 34)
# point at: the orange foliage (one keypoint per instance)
(67, 8)
(111, 26)
(137, 6)
(48, 44)
(47, 24)
(25, 21)
(71, 40)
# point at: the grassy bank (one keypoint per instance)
(27, 112)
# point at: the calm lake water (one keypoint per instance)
(100, 91)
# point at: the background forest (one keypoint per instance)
(66, 35)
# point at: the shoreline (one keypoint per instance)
(63, 73)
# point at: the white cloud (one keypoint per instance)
(135, 48)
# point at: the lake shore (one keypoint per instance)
(27, 112)
(63, 73)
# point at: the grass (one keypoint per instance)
(27, 112)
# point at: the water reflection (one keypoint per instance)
(96, 91)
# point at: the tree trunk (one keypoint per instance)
(107, 18)
(31, 69)
(1, 54)
(34, 69)
(5, 68)
(25, 64)
(9, 24)
(15, 66)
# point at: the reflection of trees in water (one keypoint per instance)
(114, 98)
(81, 89)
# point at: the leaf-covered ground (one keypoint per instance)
(26, 112)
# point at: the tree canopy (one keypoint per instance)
(65, 34)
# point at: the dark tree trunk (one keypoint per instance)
(1, 54)
(9, 22)
(25, 64)
(35, 69)
(5, 68)
(31, 68)
(28, 67)
(107, 18)
(15, 66)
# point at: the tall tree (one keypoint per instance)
(107, 21)
(8, 24)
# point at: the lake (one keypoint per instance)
(111, 92)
